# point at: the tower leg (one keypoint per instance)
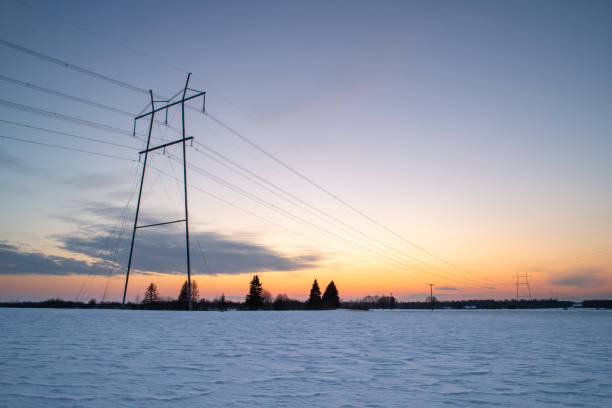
(144, 169)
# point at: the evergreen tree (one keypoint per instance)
(183, 298)
(222, 304)
(151, 295)
(314, 301)
(331, 299)
(254, 299)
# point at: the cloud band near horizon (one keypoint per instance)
(155, 252)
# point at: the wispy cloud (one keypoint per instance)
(159, 250)
(446, 288)
(580, 278)
(88, 216)
(91, 215)
(164, 252)
(15, 164)
(89, 181)
(155, 251)
(13, 261)
(92, 181)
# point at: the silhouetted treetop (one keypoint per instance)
(314, 301)
(151, 295)
(331, 299)
(222, 304)
(254, 300)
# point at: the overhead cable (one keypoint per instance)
(322, 230)
(283, 227)
(65, 96)
(298, 202)
(332, 195)
(91, 139)
(16, 139)
(243, 138)
(60, 116)
(68, 65)
(310, 209)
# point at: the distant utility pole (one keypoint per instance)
(524, 282)
(431, 298)
(148, 149)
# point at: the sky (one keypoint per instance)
(381, 145)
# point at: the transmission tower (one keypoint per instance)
(522, 280)
(183, 140)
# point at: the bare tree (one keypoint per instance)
(183, 295)
(151, 295)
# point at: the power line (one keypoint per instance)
(231, 130)
(302, 221)
(122, 230)
(91, 139)
(329, 193)
(283, 227)
(216, 120)
(85, 29)
(298, 219)
(65, 96)
(205, 261)
(16, 139)
(151, 57)
(121, 131)
(72, 97)
(60, 116)
(282, 211)
(106, 155)
(302, 202)
(322, 230)
(70, 66)
(118, 227)
(320, 214)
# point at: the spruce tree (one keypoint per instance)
(331, 299)
(222, 303)
(151, 295)
(254, 299)
(314, 301)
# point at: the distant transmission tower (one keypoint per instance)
(522, 280)
(148, 149)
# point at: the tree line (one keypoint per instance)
(258, 298)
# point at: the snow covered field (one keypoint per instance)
(113, 358)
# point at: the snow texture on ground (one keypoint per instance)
(114, 358)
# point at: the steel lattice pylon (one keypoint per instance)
(148, 149)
